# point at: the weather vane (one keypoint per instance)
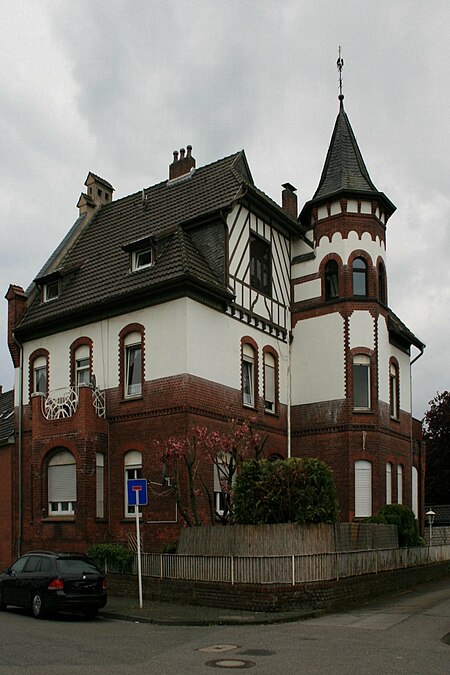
(340, 65)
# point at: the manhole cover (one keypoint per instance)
(216, 649)
(230, 663)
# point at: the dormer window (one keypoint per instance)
(51, 290)
(141, 259)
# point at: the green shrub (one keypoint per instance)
(299, 490)
(407, 525)
(113, 557)
(170, 547)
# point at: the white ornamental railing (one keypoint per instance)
(63, 403)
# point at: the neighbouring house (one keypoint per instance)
(9, 481)
(195, 301)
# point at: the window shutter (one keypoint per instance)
(363, 489)
(62, 483)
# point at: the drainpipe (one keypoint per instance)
(420, 507)
(289, 451)
(19, 450)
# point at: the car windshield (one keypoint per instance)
(76, 566)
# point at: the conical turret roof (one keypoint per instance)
(344, 167)
(344, 171)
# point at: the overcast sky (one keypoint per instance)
(115, 86)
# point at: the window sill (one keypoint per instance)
(273, 413)
(395, 419)
(250, 406)
(363, 411)
(58, 519)
(130, 399)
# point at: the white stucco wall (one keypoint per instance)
(182, 336)
(361, 329)
(318, 360)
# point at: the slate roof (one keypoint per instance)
(95, 270)
(344, 170)
(6, 416)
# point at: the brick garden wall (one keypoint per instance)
(317, 596)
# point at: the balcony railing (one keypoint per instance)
(63, 403)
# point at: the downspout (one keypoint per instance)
(289, 451)
(420, 507)
(19, 449)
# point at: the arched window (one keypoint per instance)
(331, 280)
(132, 360)
(388, 483)
(38, 372)
(248, 375)
(399, 484)
(363, 489)
(270, 382)
(394, 391)
(133, 469)
(82, 365)
(382, 291)
(361, 382)
(359, 277)
(62, 484)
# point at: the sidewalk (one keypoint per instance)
(165, 613)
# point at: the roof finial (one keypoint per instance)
(340, 65)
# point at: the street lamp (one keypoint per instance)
(430, 518)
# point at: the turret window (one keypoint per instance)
(382, 294)
(361, 382)
(393, 391)
(359, 277)
(331, 280)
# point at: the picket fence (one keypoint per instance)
(287, 569)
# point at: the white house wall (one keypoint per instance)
(318, 360)
(385, 351)
(182, 336)
(361, 329)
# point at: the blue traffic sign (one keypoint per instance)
(137, 491)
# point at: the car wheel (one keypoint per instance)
(2, 603)
(37, 606)
(91, 613)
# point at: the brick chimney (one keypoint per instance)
(289, 200)
(182, 164)
(99, 192)
(17, 304)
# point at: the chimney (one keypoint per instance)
(17, 304)
(289, 200)
(183, 164)
(99, 192)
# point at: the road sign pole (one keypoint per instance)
(138, 539)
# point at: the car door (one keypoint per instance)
(29, 578)
(12, 588)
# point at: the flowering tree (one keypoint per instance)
(224, 453)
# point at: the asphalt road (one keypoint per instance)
(409, 633)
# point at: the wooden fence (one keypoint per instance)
(287, 569)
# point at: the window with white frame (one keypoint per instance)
(133, 470)
(399, 484)
(62, 484)
(361, 382)
(393, 391)
(40, 375)
(359, 277)
(260, 264)
(142, 259)
(82, 365)
(100, 484)
(133, 365)
(269, 382)
(363, 489)
(248, 375)
(51, 290)
(223, 467)
(388, 483)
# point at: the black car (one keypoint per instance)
(53, 582)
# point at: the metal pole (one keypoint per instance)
(138, 538)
